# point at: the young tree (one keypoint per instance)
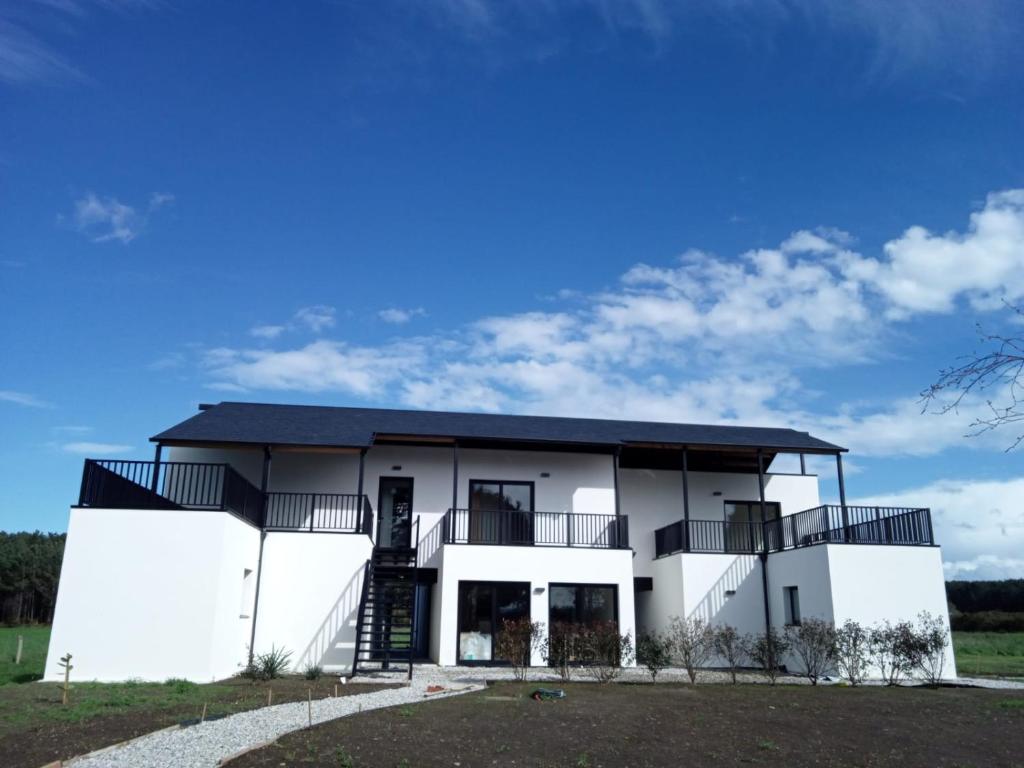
(932, 639)
(518, 639)
(767, 650)
(813, 641)
(605, 652)
(894, 649)
(852, 651)
(998, 369)
(563, 648)
(654, 651)
(693, 641)
(729, 645)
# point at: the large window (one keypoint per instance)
(583, 603)
(500, 512)
(483, 606)
(740, 535)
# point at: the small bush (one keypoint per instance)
(518, 639)
(931, 637)
(268, 666)
(814, 642)
(312, 671)
(604, 650)
(729, 645)
(180, 685)
(564, 649)
(852, 651)
(693, 641)
(767, 651)
(654, 651)
(894, 649)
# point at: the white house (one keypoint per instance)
(368, 537)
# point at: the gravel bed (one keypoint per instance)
(204, 745)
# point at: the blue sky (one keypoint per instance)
(719, 211)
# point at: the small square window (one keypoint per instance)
(791, 599)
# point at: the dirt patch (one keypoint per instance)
(35, 729)
(636, 726)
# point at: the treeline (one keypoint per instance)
(29, 572)
(986, 606)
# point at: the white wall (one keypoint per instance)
(309, 597)
(153, 594)
(467, 562)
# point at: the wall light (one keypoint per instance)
(396, 468)
(538, 590)
(717, 493)
(545, 474)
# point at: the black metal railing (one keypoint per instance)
(827, 524)
(521, 528)
(336, 512)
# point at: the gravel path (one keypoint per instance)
(205, 744)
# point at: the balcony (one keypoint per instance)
(527, 529)
(170, 485)
(828, 524)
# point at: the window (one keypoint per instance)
(500, 512)
(248, 593)
(740, 535)
(583, 603)
(791, 598)
(501, 495)
(483, 606)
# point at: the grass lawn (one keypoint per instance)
(671, 725)
(33, 655)
(989, 653)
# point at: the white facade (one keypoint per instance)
(156, 594)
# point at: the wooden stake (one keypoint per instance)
(335, 690)
(17, 655)
(202, 718)
(310, 707)
(65, 662)
(270, 696)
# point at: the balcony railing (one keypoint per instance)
(117, 484)
(828, 524)
(545, 529)
(331, 512)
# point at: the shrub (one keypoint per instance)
(604, 650)
(654, 651)
(813, 641)
(268, 666)
(563, 648)
(180, 685)
(728, 644)
(894, 649)
(852, 651)
(931, 638)
(312, 671)
(693, 642)
(767, 650)
(518, 639)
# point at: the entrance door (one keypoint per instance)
(394, 508)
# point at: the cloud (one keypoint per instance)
(978, 523)
(266, 331)
(22, 398)
(95, 449)
(702, 338)
(106, 219)
(397, 316)
(316, 318)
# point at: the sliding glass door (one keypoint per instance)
(483, 607)
(500, 512)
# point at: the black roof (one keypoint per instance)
(307, 425)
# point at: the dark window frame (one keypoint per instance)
(583, 584)
(492, 662)
(791, 607)
(501, 484)
(755, 506)
(412, 501)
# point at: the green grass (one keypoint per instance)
(989, 653)
(33, 655)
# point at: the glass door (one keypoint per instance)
(501, 512)
(394, 512)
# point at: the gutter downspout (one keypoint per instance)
(763, 554)
(264, 482)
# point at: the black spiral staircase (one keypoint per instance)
(385, 631)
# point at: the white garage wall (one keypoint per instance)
(152, 594)
(309, 597)
(466, 562)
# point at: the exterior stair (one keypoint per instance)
(387, 612)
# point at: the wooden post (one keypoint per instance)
(335, 690)
(202, 717)
(17, 653)
(65, 662)
(270, 696)
(310, 690)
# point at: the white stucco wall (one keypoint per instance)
(540, 569)
(309, 597)
(153, 594)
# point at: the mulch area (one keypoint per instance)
(622, 726)
(50, 732)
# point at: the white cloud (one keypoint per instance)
(266, 331)
(397, 316)
(106, 219)
(22, 398)
(95, 449)
(316, 318)
(978, 523)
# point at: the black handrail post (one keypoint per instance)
(455, 475)
(568, 529)
(86, 469)
(686, 502)
(615, 478)
(312, 510)
(760, 489)
(928, 520)
(154, 481)
(264, 485)
(842, 497)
